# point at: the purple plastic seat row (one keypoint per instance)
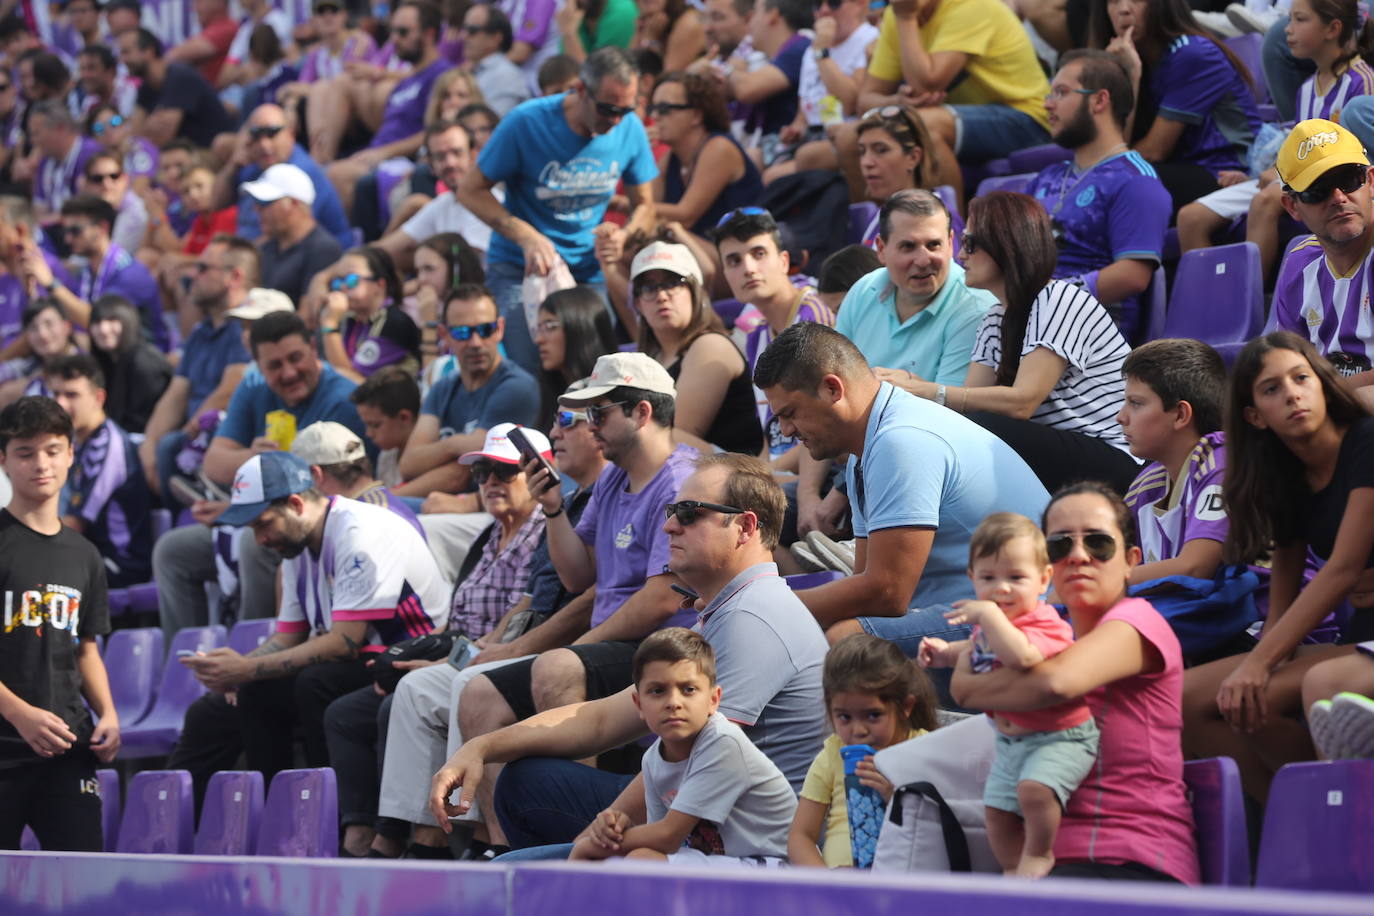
(811, 580)
(301, 816)
(1018, 182)
(159, 815)
(230, 816)
(156, 732)
(109, 813)
(1218, 295)
(1319, 828)
(133, 658)
(1219, 818)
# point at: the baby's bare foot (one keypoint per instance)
(1035, 866)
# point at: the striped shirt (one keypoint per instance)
(1067, 320)
(1355, 80)
(1332, 312)
(1170, 513)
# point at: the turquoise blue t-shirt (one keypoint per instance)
(560, 182)
(245, 419)
(926, 466)
(936, 343)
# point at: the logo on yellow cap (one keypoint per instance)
(1324, 138)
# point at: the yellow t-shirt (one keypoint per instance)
(824, 785)
(1002, 66)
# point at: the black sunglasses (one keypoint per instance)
(1099, 545)
(483, 470)
(659, 109)
(596, 413)
(465, 331)
(266, 130)
(687, 511)
(103, 177)
(968, 243)
(1347, 179)
(607, 110)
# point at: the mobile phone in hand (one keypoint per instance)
(530, 453)
(684, 591)
(463, 652)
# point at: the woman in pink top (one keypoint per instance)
(1130, 819)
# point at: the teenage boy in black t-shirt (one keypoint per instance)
(53, 604)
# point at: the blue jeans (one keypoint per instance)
(546, 800)
(907, 632)
(992, 130)
(551, 852)
(504, 280)
(1282, 71)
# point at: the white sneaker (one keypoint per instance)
(1246, 20)
(1218, 23)
(1353, 716)
(1326, 735)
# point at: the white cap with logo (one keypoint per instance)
(614, 370)
(282, 180)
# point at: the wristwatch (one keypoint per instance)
(820, 53)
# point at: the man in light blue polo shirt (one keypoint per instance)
(914, 316)
(921, 477)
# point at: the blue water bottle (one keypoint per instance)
(865, 807)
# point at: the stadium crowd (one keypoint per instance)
(511, 355)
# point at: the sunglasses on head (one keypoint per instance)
(743, 211)
(265, 130)
(607, 110)
(569, 418)
(596, 413)
(1098, 544)
(465, 331)
(99, 127)
(1346, 178)
(483, 470)
(650, 290)
(347, 281)
(687, 511)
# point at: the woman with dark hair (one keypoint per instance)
(136, 372)
(1195, 114)
(678, 327)
(1299, 478)
(362, 323)
(573, 329)
(896, 152)
(705, 173)
(480, 120)
(671, 28)
(1046, 370)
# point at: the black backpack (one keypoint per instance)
(812, 210)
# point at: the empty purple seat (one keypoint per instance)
(247, 635)
(229, 817)
(119, 602)
(28, 841)
(811, 580)
(158, 814)
(1218, 295)
(1034, 158)
(728, 311)
(1018, 183)
(143, 598)
(1223, 842)
(861, 216)
(156, 732)
(1319, 828)
(110, 806)
(133, 659)
(301, 816)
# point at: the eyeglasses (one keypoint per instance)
(104, 177)
(651, 290)
(567, 419)
(549, 325)
(265, 130)
(596, 413)
(74, 229)
(348, 281)
(1059, 93)
(607, 110)
(401, 31)
(687, 511)
(1347, 179)
(1098, 544)
(483, 470)
(465, 331)
(99, 127)
(659, 109)
(968, 243)
(743, 211)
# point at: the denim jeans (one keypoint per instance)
(546, 800)
(504, 281)
(1282, 71)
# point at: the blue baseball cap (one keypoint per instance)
(262, 479)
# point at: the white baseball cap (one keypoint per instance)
(498, 446)
(261, 301)
(282, 180)
(668, 256)
(327, 442)
(631, 370)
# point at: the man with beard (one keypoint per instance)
(174, 100)
(1110, 211)
(356, 577)
(1324, 286)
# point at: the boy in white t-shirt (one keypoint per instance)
(710, 795)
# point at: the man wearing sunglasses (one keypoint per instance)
(721, 529)
(1326, 281)
(487, 36)
(560, 158)
(266, 139)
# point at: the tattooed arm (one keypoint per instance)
(282, 655)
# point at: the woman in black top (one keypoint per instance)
(1299, 476)
(136, 372)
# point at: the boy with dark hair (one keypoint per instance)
(1175, 389)
(388, 403)
(710, 794)
(107, 497)
(55, 605)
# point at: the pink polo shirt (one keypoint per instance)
(1133, 806)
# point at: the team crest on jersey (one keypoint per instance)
(1312, 316)
(355, 580)
(625, 536)
(1086, 196)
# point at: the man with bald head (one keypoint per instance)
(266, 139)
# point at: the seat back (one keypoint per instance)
(1034, 158)
(229, 818)
(811, 580)
(179, 688)
(301, 817)
(860, 216)
(1156, 305)
(1223, 843)
(1319, 828)
(1017, 183)
(1249, 50)
(247, 635)
(110, 806)
(1218, 295)
(158, 814)
(728, 310)
(133, 659)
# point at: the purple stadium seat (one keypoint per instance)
(110, 806)
(247, 635)
(1156, 304)
(158, 730)
(133, 659)
(1219, 814)
(728, 310)
(811, 580)
(956, 214)
(1005, 183)
(143, 598)
(158, 815)
(860, 216)
(1218, 295)
(28, 841)
(119, 602)
(1248, 49)
(229, 818)
(1317, 828)
(162, 522)
(1034, 158)
(301, 817)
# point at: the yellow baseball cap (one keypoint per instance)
(1314, 147)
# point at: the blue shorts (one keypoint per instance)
(992, 130)
(906, 633)
(1060, 760)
